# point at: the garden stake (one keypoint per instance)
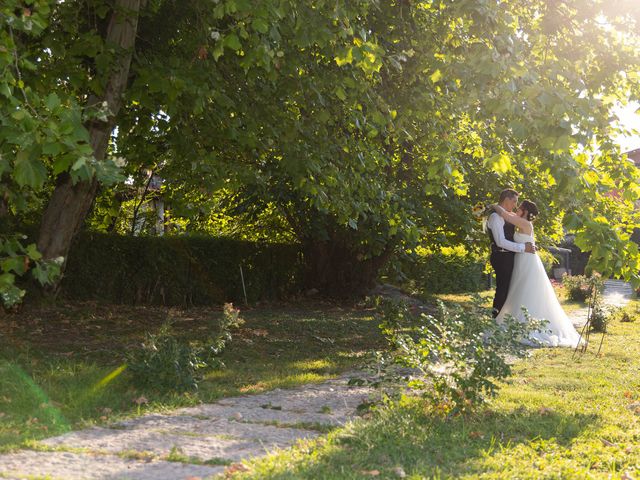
(246, 302)
(586, 331)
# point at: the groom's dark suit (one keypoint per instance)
(502, 263)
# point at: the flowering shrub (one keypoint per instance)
(580, 288)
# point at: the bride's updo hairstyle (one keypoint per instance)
(530, 208)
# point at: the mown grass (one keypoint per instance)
(560, 416)
(61, 367)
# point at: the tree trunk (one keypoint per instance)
(70, 203)
(337, 270)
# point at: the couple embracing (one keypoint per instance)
(521, 279)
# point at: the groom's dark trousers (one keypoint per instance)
(502, 263)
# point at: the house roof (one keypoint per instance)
(634, 155)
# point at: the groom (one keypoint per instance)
(503, 248)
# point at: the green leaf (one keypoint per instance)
(62, 163)
(32, 251)
(13, 264)
(52, 102)
(260, 25)
(345, 58)
(340, 93)
(52, 148)
(5, 90)
(6, 279)
(562, 143)
(218, 51)
(353, 224)
(9, 293)
(19, 115)
(500, 163)
(29, 170)
(233, 42)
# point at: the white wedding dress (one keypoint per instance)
(530, 288)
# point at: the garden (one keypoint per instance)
(205, 203)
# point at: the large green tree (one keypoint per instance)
(385, 140)
(368, 127)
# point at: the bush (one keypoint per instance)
(165, 363)
(598, 319)
(458, 353)
(179, 270)
(580, 288)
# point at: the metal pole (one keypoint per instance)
(244, 289)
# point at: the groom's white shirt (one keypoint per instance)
(496, 224)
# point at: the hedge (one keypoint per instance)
(178, 270)
(447, 271)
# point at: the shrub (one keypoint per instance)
(165, 363)
(628, 314)
(598, 320)
(458, 353)
(580, 288)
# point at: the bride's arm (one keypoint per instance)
(513, 218)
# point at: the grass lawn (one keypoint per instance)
(61, 367)
(557, 417)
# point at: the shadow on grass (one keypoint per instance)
(68, 359)
(428, 447)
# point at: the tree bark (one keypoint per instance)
(70, 203)
(337, 270)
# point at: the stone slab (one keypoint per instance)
(198, 438)
(75, 466)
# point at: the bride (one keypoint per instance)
(530, 287)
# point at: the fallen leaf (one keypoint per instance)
(236, 468)
(476, 435)
(237, 416)
(371, 473)
(545, 411)
(141, 400)
(607, 443)
(628, 394)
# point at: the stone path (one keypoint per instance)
(197, 442)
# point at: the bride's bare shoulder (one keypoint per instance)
(528, 230)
